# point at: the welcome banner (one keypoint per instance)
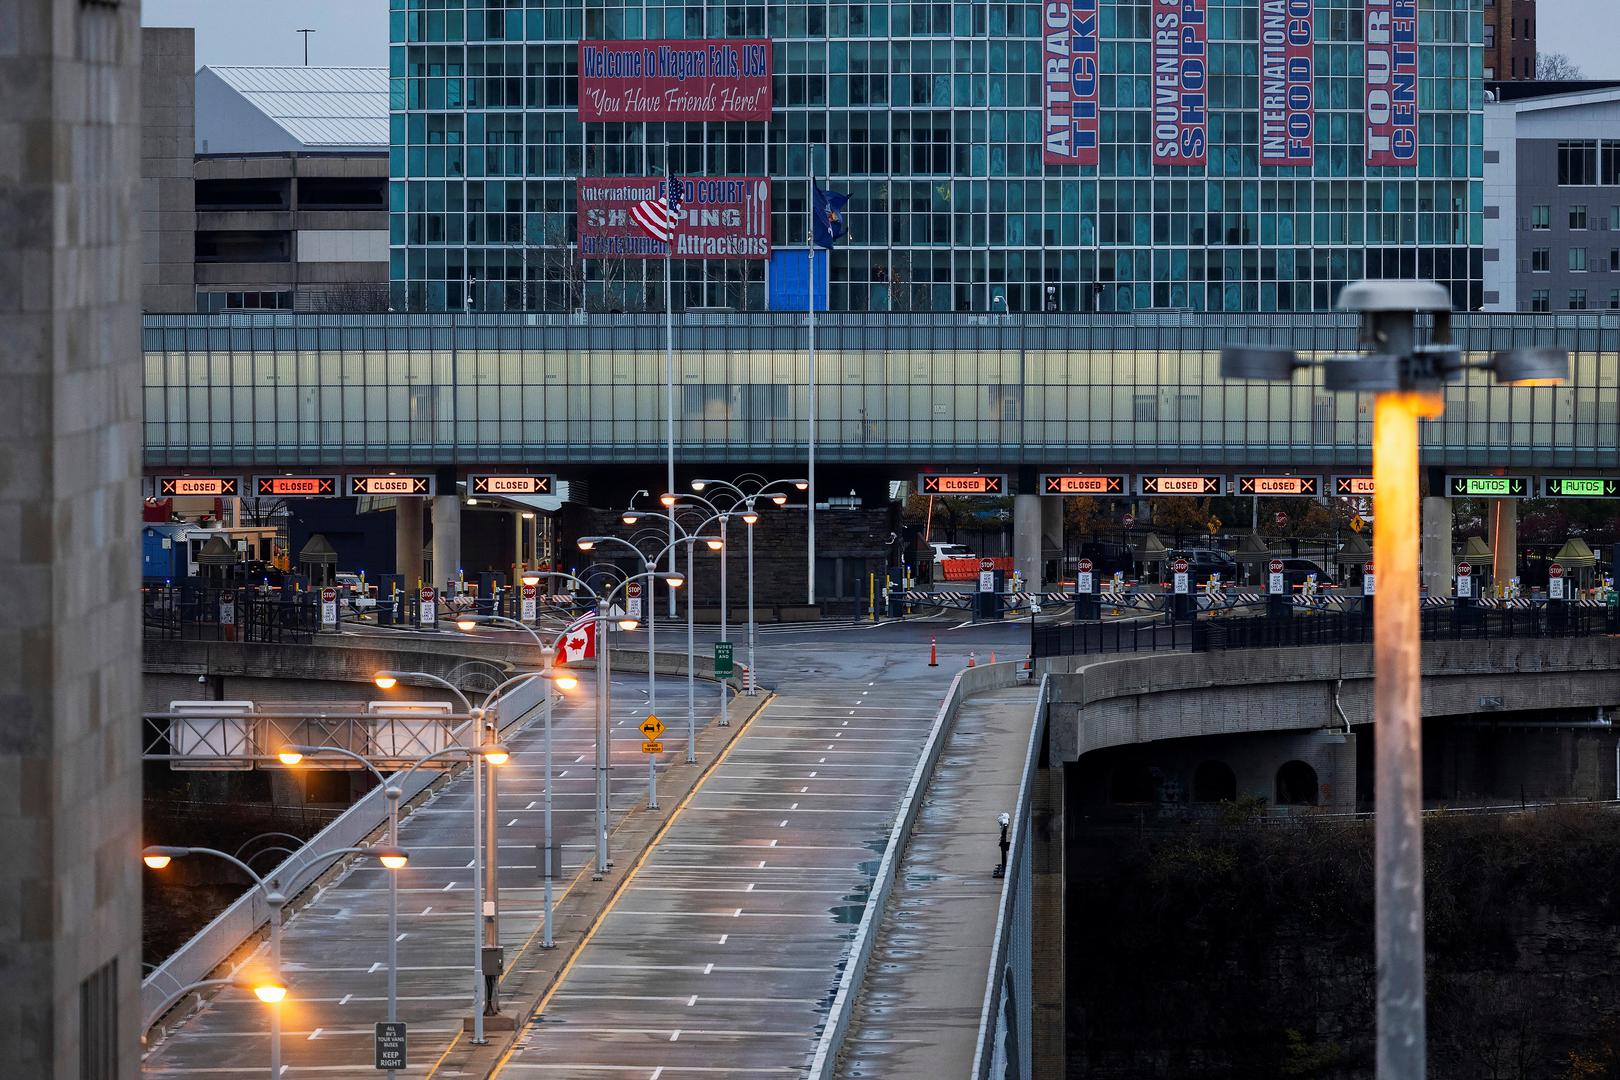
(720, 79)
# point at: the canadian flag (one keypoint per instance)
(579, 640)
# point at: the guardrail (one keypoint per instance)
(1005, 1047)
(825, 1059)
(232, 928)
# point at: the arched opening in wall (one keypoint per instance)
(1132, 782)
(1296, 785)
(1214, 781)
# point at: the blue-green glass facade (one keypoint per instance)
(930, 115)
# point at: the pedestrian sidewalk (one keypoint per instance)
(917, 1015)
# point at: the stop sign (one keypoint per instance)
(1130, 519)
(1281, 519)
(1555, 570)
(1464, 569)
(328, 595)
(1179, 566)
(1085, 566)
(427, 593)
(1276, 566)
(633, 590)
(530, 592)
(986, 565)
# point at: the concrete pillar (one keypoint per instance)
(446, 539)
(1048, 913)
(1027, 539)
(408, 542)
(70, 501)
(1052, 536)
(1436, 546)
(1504, 540)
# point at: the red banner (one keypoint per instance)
(1391, 53)
(714, 79)
(722, 218)
(1069, 105)
(1180, 82)
(1287, 82)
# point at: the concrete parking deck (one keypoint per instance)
(917, 1015)
(721, 955)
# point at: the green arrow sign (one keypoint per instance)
(1580, 487)
(1487, 487)
(722, 659)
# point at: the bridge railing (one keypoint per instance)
(1004, 1050)
(1448, 623)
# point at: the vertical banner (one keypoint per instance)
(1070, 102)
(1391, 54)
(1287, 82)
(1180, 82)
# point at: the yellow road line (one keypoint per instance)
(624, 885)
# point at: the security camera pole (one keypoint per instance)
(1406, 377)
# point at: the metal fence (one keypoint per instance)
(200, 612)
(1450, 623)
(1005, 1047)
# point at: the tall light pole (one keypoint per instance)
(746, 491)
(555, 682)
(1406, 375)
(689, 538)
(486, 864)
(276, 894)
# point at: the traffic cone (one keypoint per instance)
(992, 656)
(972, 660)
(933, 652)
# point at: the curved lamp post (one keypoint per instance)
(276, 895)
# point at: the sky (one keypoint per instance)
(1586, 31)
(355, 32)
(348, 33)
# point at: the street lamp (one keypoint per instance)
(276, 894)
(269, 989)
(745, 491)
(558, 681)
(1405, 375)
(484, 750)
(674, 581)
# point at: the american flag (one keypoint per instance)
(658, 217)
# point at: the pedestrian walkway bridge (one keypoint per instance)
(289, 390)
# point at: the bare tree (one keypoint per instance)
(351, 296)
(1556, 67)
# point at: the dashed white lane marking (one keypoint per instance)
(315, 1034)
(803, 790)
(448, 887)
(530, 806)
(691, 1001)
(427, 909)
(723, 937)
(782, 824)
(346, 998)
(737, 914)
(579, 759)
(750, 887)
(762, 864)
(373, 968)
(400, 938)
(773, 843)
(708, 969)
(795, 806)
(514, 821)
(658, 1071)
(812, 772)
(672, 1037)
(562, 774)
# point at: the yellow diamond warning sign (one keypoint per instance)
(651, 728)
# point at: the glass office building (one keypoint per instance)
(932, 116)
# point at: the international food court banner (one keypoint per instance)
(720, 218)
(1287, 82)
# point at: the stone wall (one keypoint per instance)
(70, 377)
(168, 191)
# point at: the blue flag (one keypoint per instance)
(827, 216)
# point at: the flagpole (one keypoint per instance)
(810, 509)
(669, 392)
